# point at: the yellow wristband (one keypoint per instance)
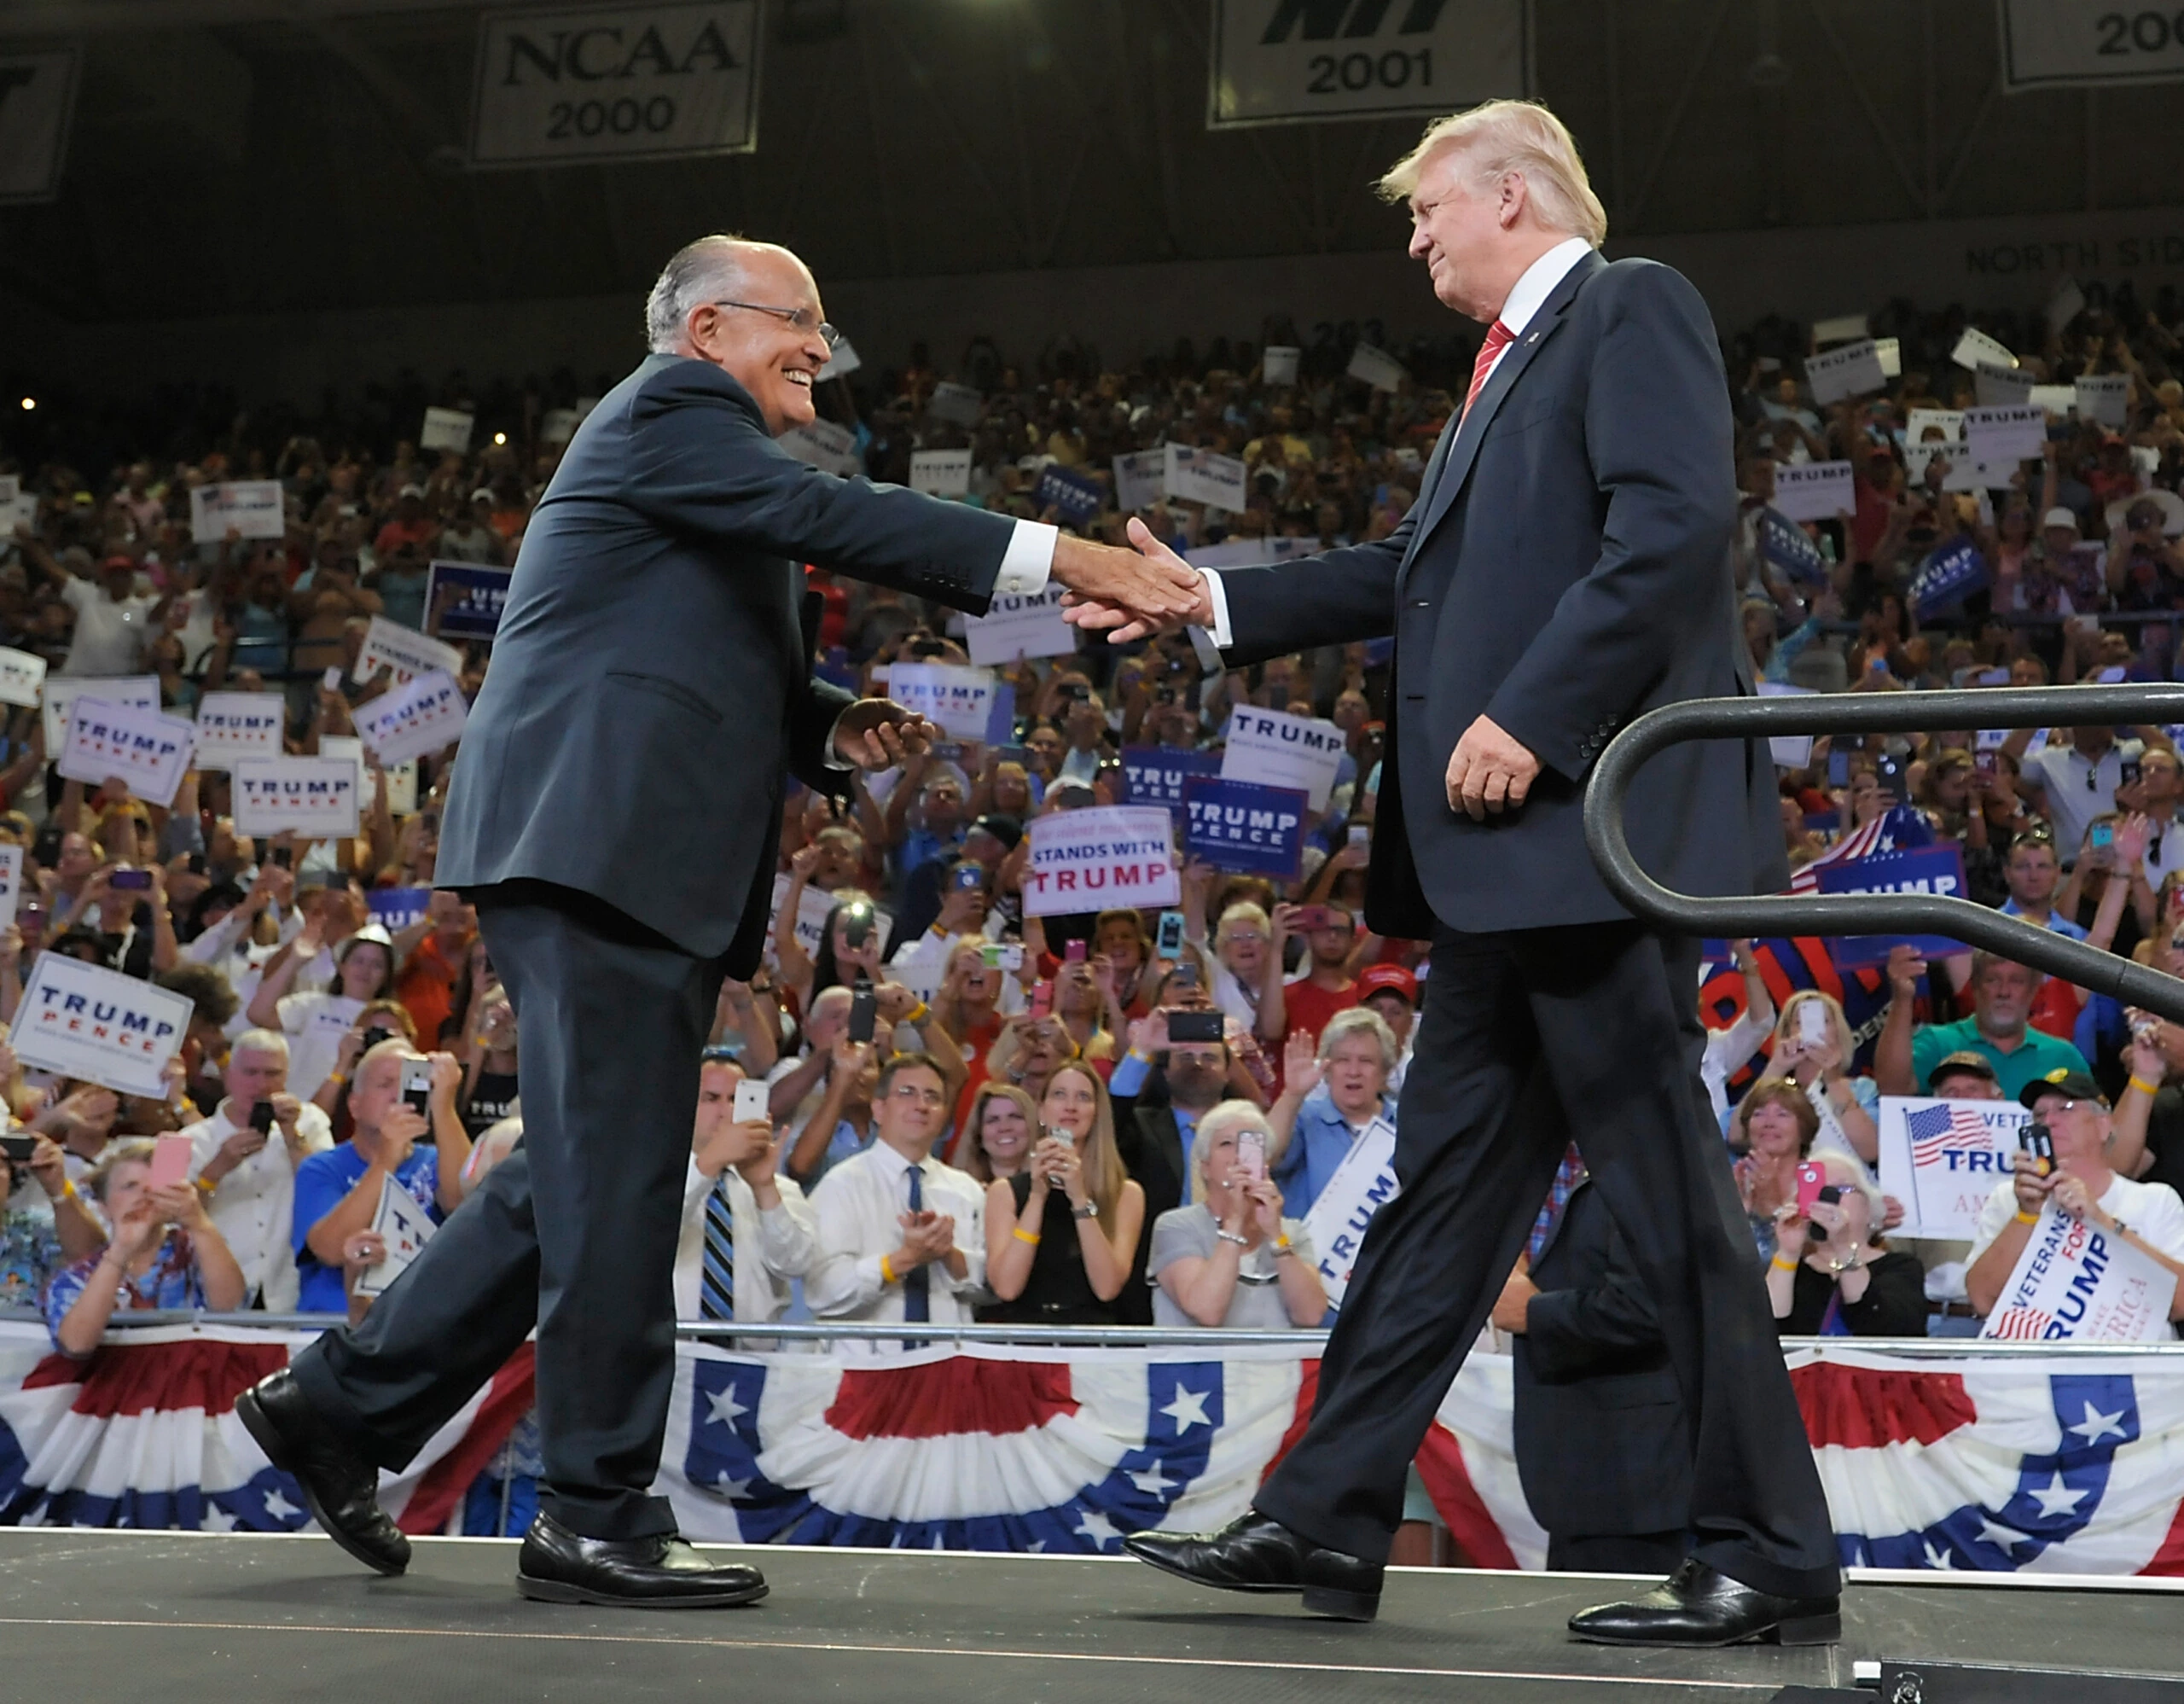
(1281, 1244)
(1783, 1265)
(2143, 1086)
(204, 1185)
(337, 1077)
(917, 1014)
(68, 1189)
(2028, 1218)
(886, 1270)
(1024, 1236)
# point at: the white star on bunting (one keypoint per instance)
(1188, 1409)
(2096, 1424)
(2056, 1499)
(1152, 1482)
(278, 1508)
(725, 1408)
(2002, 1538)
(1098, 1528)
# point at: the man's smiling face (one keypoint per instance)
(774, 360)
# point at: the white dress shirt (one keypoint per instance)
(859, 1205)
(1525, 298)
(771, 1247)
(253, 1206)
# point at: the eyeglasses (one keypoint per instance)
(801, 319)
(910, 1091)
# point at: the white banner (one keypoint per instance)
(1106, 855)
(1362, 1183)
(423, 716)
(1276, 749)
(1278, 363)
(2077, 1284)
(1942, 1160)
(2017, 432)
(249, 509)
(823, 445)
(1020, 627)
(390, 645)
(239, 724)
(315, 797)
(2054, 43)
(1376, 368)
(616, 82)
(811, 924)
(128, 743)
(446, 428)
(83, 1020)
(958, 405)
(38, 99)
(941, 472)
(22, 674)
(138, 691)
(955, 697)
(1813, 491)
(1203, 476)
(2105, 398)
(1850, 371)
(1975, 346)
(1292, 62)
(404, 1227)
(1141, 479)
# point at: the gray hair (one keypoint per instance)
(1344, 1024)
(1227, 1118)
(260, 1041)
(692, 277)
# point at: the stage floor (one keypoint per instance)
(90, 1617)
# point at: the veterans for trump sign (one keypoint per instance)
(316, 797)
(83, 1020)
(426, 715)
(1116, 855)
(2077, 1284)
(239, 724)
(124, 743)
(1942, 1160)
(249, 509)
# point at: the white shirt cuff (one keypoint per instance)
(1218, 635)
(1028, 560)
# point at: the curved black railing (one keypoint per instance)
(1873, 913)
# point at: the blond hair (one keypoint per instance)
(1501, 136)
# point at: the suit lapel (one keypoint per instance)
(1462, 450)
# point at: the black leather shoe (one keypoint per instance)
(1257, 1553)
(557, 1566)
(1700, 1606)
(339, 1486)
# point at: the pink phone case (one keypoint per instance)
(170, 1162)
(1810, 1179)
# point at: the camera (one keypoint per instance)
(1196, 1028)
(864, 1012)
(129, 881)
(261, 1118)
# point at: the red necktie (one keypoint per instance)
(1498, 338)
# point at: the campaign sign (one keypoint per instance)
(464, 600)
(1014, 626)
(1936, 869)
(1785, 546)
(390, 645)
(22, 674)
(2103, 397)
(249, 509)
(1156, 774)
(1813, 491)
(1276, 749)
(1204, 476)
(1975, 348)
(1361, 1184)
(315, 798)
(1942, 1160)
(842, 363)
(1849, 371)
(239, 724)
(1948, 576)
(1076, 497)
(958, 404)
(823, 445)
(2017, 432)
(1141, 479)
(2076, 1283)
(124, 743)
(136, 691)
(1996, 386)
(1103, 857)
(809, 927)
(1788, 751)
(1238, 825)
(396, 909)
(1278, 363)
(941, 472)
(404, 1227)
(1376, 367)
(425, 716)
(83, 1020)
(957, 699)
(11, 881)
(446, 428)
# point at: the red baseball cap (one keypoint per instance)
(1388, 979)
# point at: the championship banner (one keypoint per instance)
(1942, 1160)
(21, 675)
(249, 509)
(147, 750)
(424, 715)
(574, 85)
(1361, 1184)
(1245, 828)
(314, 798)
(1303, 61)
(390, 645)
(1101, 857)
(85, 1021)
(2077, 1284)
(957, 699)
(37, 102)
(2065, 43)
(1276, 749)
(239, 724)
(134, 691)
(1158, 775)
(1203, 476)
(464, 600)
(1018, 626)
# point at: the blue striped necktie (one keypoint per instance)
(716, 1284)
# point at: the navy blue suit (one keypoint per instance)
(1566, 567)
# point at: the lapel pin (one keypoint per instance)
(1534, 338)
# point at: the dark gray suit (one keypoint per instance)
(614, 813)
(1564, 569)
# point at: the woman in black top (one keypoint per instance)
(1061, 1235)
(1831, 1275)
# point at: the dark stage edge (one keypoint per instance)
(96, 1616)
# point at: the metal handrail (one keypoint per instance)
(1873, 914)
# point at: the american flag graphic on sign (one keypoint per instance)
(2021, 1323)
(1954, 1129)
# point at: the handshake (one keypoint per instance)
(1131, 592)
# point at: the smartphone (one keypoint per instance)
(1198, 1027)
(967, 878)
(1890, 770)
(194, 864)
(1185, 974)
(1251, 1154)
(1168, 940)
(1311, 917)
(170, 1162)
(864, 1012)
(2127, 772)
(261, 1118)
(331, 680)
(856, 926)
(751, 1101)
(1015, 754)
(129, 881)
(284, 858)
(417, 1086)
(2104, 837)
(1838, 769)
(1811, 1180)
(1002, 955)
(1812, 1024)
(1361, 834)
(1985, 765)
(1073, 952)
(1831, 1193)
(2038, 1148)
(1043, 999)
(373, 1036)
(19, 1146)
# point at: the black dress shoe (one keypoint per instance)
(557, 1566)
(1699, 1605)
(1257, 1553)
(339, 1486)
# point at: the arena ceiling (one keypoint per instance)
(271, 155)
